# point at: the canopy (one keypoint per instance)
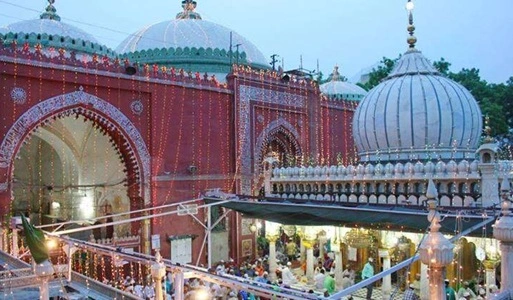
(314, 213)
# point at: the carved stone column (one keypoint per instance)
(309, 263)
(424, 282)
(490, 266)
(387, 280)
(158, 271)
(322, 242)
(302, 251)
(489, 184)
(178, 285)
(339, 268)
(273, 265)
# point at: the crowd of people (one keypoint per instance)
(468, 292)
(289, 275)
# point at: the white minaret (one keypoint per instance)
(436, 250)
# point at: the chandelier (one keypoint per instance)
(359, 238)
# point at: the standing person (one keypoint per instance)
(368, 272)
(449, 291)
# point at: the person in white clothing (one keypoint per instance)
(319, 279)
(286, 275)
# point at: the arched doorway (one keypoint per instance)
(282, 148)
(69, 169)
(76, 155)
(279, 140)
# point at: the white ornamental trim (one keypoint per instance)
(246, 95)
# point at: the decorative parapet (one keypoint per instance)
(56, 41)
(273, 77)
(60, 58)
(370, 172)
(165, 56)
(346, 97)
(396, 184)
(343, 103)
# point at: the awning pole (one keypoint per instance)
(209, 233)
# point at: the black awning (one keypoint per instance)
(369, 216)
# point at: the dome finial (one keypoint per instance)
(336, 75)
(188, 10)
(411, 28)
(50, 12)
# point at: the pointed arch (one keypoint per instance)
(99, 111)
(277, 126)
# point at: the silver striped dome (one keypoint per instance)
(416, 113)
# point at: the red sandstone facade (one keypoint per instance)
(178, 134)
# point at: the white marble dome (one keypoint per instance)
(49, 32)
(416, 113)
(189, 31)
(49, 27)
(337, 88)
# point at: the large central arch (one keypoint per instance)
(106, 116)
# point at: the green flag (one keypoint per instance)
(35, 241)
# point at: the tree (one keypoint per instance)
(507, 101)
(378, 74)
(491, 97)
(442, 66)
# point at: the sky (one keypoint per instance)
(353, 34)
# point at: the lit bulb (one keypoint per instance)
(409, 6)
(51, 243)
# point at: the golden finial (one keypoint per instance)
(336, 75)
(50, 12)
(411, 28)
(188, 10)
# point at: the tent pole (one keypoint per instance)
(209, 233)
